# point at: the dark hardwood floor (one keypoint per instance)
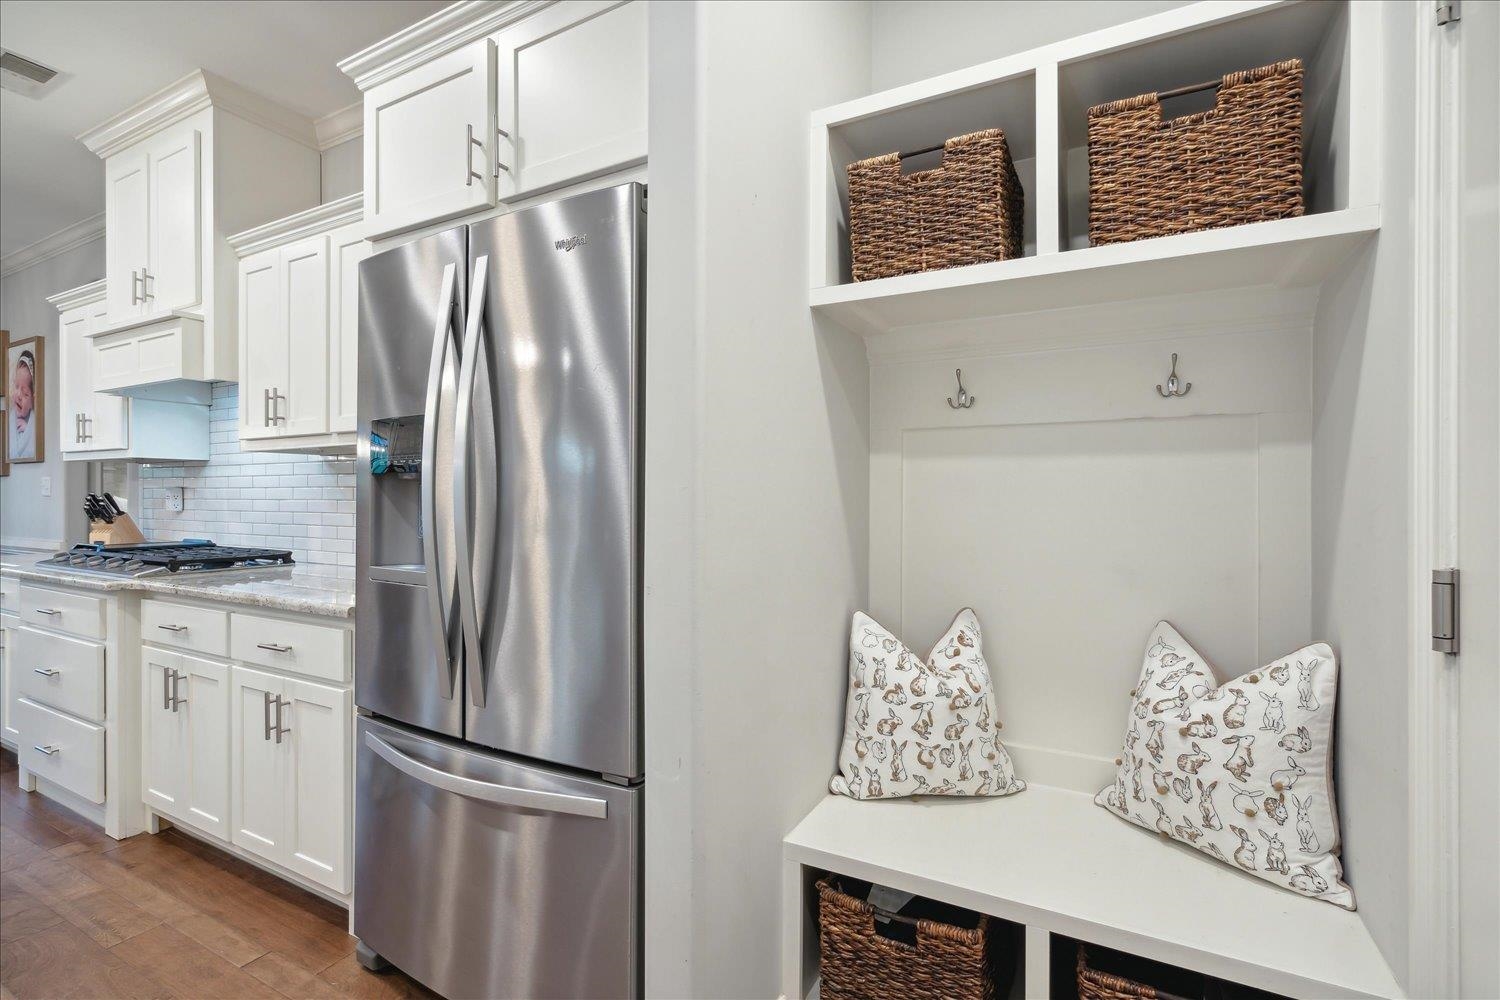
(82, 915)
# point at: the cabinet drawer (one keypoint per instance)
(202, 630)
(61, 749)
(64, 611)
(60, 672)
(10, 594)
(296, 647)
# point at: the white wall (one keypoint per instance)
(912, 41)
(757, 505)
(1362, 408)
(26, 517)
(342, 168)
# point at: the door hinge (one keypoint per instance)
(1445, 610)
(1447, 11)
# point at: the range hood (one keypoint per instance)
(154, 356)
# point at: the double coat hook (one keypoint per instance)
(1172, 389)
(964, 399)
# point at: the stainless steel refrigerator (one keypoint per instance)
(499, 783)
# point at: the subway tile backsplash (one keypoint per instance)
(277, 500)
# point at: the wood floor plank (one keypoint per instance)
(102, 914)
(352, 980)
(64, 962)
(219, 938)
(33, 828)
(290, 979)
(16, 851)
(21, 913)
(190, 969)
(113, 873)
(315, 905)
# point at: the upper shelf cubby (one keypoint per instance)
(1041, 99)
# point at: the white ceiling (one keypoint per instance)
(111, 54)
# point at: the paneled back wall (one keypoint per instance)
(1073, 507)
(304, 503)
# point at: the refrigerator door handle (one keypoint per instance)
(484, 791)
(437, 607)
(463, 524)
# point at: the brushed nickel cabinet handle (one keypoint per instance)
(48, 611)
(273, 647)
(177, 676)
(45, 671)
(266, 702)
(280, 729)
(49, 749)
(137, 298)
(174, 628)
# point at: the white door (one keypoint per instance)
(1478, 537)
(347, 247)
(258, 772)
(163, 745)
(429, 141)
(77, 377)
(318, 782)
(263, 354)
(173, 274)
(126, 231)
(572, 94)
(301, 405)
(203, 686)
(109, 424)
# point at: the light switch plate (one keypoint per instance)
(46, 486)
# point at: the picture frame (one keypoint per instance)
(26, 400)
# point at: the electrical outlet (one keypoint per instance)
(46, 486)
(174, 499)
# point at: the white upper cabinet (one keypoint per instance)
(465, 110)
(97, 425)
(298, 328)
(183, 168)
(572, 95)
(429, 141)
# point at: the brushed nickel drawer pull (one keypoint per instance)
(49, 749)
(48, 611)
(45, 671)
(174, 628)
(273, 647)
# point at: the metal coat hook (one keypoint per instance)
(964, 399)
(1171, 389)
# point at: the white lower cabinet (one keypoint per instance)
(185, 741)
(290, 773)
(7, 676)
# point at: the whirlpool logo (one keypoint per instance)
(570, 243)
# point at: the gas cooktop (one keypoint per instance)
(144, 559)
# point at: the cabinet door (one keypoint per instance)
(163, 744)
(108, 426)
(7, 685)
(176, 259)
(263, 344)
(77, 377)
(257, 768)
(318, 782)
(347, 247)
(429, 141)
(204, 686)
(572, 94)
(126, 229)
(301, 402)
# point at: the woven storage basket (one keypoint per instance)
(968, 210)
(1095, 984)
(947, 961)
(1238, 162)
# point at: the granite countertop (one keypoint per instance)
(300, 589)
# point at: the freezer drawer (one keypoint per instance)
(484, 877)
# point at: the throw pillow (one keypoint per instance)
(1243, 770)
(921, 727)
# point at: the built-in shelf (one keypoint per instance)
(1285, 253)
(1054, 861)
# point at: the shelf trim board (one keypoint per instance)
(1083, 839)
(1292, 252)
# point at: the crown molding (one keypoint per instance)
(433, 36)
(185, 97)
(340, 126)
(81, 296)
(319, 219)
(47, 247)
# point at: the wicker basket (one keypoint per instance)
(1238, 162)
(1096, 984)
(944, 960)
(968, 210)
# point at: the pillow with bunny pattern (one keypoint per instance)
(921, 727)
(1242, 770)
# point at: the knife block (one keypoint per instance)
(122, 532)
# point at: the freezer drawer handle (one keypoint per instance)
(484, 791)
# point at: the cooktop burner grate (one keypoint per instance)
(149, 557)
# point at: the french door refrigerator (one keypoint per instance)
(498, 804)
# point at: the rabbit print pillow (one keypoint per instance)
(921, 727)
(1241, 770)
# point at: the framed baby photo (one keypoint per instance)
(25, 401)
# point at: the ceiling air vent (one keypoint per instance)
(22, 76)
